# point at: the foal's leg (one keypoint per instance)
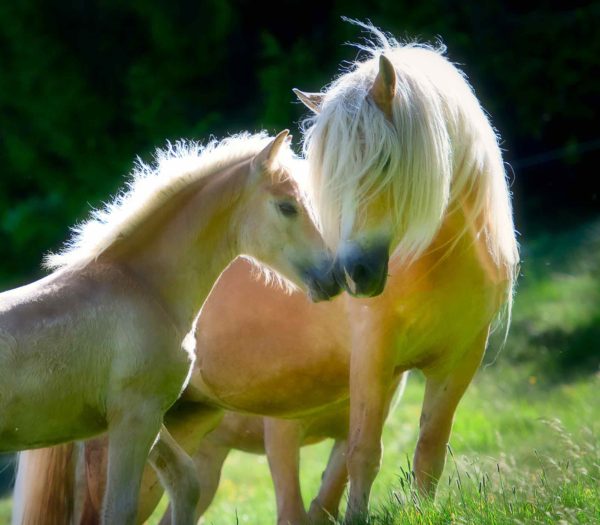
(442, 395)
(131, 434)
(324, 508)
(209, 462)
(283, 439)
(177, 474)
(188, 423)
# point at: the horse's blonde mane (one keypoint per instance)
(150, 187)
(438, 150)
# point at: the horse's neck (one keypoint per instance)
(180, 251)
(463, 237)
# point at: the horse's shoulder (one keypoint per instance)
(129, 299)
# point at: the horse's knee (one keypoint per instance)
(364, 459)
(431, 441)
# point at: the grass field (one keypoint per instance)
(523, 451)
(525, 446)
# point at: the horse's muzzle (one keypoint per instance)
(322, 283)
(363, 272)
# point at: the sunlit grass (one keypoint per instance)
(523, 451)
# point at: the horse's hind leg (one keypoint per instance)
(93, 479)
(209, 462)
(177, 474)
(442, 395)
(324, 508)
(283, 439)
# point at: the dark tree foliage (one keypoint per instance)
(85, 86)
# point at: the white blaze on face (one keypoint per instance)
(350, 282)
(348, 216)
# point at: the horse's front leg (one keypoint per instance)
(283, 439)
(131, 435)
(371, 381)
(442, 395)
(189, 424)
(324, 508)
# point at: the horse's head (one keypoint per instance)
(379, 163)
(353, 203)
(277, 228)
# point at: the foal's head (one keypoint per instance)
(276, 227)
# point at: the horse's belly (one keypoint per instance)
(65, 419)
(247, 433)
(48, 396)
(285, 371)
(280, 389)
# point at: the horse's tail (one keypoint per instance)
(44, 487)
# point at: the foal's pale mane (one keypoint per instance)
(437, 152)
(176, 167)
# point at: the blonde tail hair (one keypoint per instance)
(44, 486)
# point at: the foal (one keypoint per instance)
(97, 345)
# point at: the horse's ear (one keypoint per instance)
(383, 90)
(312, 101)
(266, 157)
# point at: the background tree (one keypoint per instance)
(86, 86)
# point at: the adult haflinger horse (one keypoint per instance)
(403, 160)
(97, 345)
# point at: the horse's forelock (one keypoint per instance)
(355, 154)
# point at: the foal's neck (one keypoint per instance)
(180, 251)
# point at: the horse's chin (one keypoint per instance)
(323, 291)
(317, 296)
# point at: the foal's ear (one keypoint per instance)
(383, 90)
(265, 159)
(312, 101)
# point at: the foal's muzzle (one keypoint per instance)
(321, 282)
(363, 272)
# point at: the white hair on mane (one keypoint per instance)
(269, 277)
(438, 151)
(176, 167)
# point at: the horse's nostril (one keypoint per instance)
(360, 273)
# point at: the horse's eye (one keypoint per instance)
(287, 209)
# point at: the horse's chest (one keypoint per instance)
(432, 317)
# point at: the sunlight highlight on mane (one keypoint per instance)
(438, 153)
(150, 187)
(269, 277)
